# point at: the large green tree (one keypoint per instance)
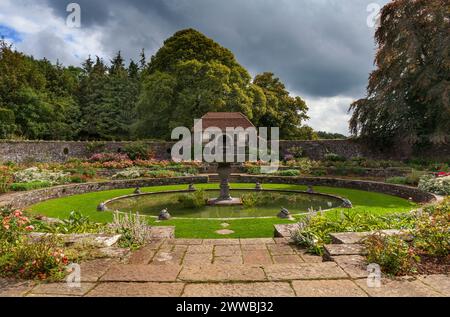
(192, 75)
(107, 97)
(408, 93)
(36, 97)
(282, 110)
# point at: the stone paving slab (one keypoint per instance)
(141, 273)
(259, 289)
(12, 288)
(200, 249)
(277, 249)
(92, 270)
(234, 259)
(354, 265)
(284, 259)
(197, 259)
(184, 241)
(222, 241)
(227, 250)
(440, 283)
(62, 289)
(257, 241)
(327, 288)
(304, 271)
(151, 289)
(403, 287)
(142, 256)
(222, 273)
(256, 257)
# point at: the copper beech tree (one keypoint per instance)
(408, 93)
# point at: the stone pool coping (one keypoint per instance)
(343, 201)
(20, 200)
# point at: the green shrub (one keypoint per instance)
(392, 254)
(249, 200)
(75, 223)
(400, 180)
(196, 199)
(21, 257)
(137, 151)
(289, 173)
(333, 157)
(5, 180)
(253, 170)
(432, 230)
(133, 228)
(17, 187)
(315, 228)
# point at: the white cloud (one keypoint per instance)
(329, 113)
(43, 34)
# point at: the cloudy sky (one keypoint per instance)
(322, 49)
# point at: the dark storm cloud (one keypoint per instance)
(318, 47)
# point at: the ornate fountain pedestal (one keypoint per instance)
(225, 199)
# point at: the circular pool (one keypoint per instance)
(192, 204)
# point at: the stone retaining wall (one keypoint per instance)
(24, 199)
(61, 151)
(406, 192)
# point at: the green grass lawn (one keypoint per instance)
(244, 228)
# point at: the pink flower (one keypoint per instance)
(29, 228)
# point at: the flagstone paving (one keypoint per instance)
(229, 268)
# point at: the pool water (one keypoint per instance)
(257, 204)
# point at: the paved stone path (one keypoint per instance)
(229, 267)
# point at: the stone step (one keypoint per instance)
(331, 250)
(358, 237)
(285, 230)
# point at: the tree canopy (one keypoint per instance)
(118, 100)
(192, 75)
(408, 93)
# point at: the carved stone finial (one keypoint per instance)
(164, 215)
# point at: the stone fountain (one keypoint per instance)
(225, 199)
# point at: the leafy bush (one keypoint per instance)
(436, 185)
(315, 228)
(20, 257)
(412, 178)
(253, 170)
(400, 180)
(432, 230)
(135, 232)
(249, 200)
(137, 150)
(29, 186)
(333, 157)
(75, 223)
(394, 255)
(5, 179)
(289, 173)
(196, 199)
